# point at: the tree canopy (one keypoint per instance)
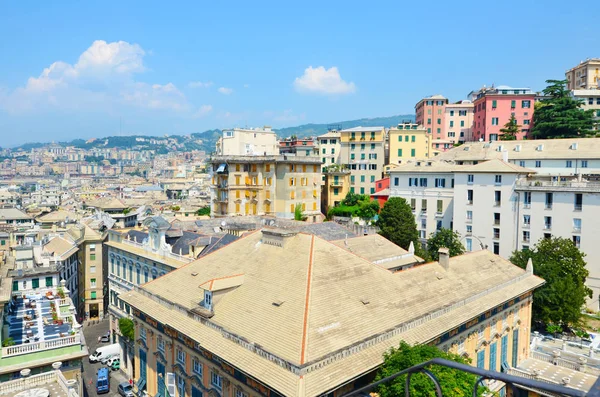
(562, 265)
(353, 204)
(126, 328)
(397, 222)
(203, 211)
(444, 238)
(560, 115)
(452, 381)
(510, 130)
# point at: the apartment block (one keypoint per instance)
(430, 113)
(493, 107)
(458, 125)
(584, 76)
(335, 187)
(202, 319)
(266, 185)
(330, 148)
(590, 100)
(363, 153)
(298, 146)
(409, 141)
(247, 142)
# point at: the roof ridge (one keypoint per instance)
(307, 300)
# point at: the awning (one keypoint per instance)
(222, 168)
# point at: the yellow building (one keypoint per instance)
(266, 185)
(279, 313)
(335, 187)
(409, 141)
(584, 76)
(363, 153)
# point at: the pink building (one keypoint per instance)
(493, 107)
(430, 113)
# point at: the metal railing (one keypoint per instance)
(523, 380)
(27, 348)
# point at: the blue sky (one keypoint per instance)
(75, 69)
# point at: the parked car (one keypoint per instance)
(105, 338)
(111, 360)
(125, 389)
(115, 365)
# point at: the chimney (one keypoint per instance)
(529, 268)
(505, 156)
(444, 257)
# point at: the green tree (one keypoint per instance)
(452, 381)
(444, 238)
(560, 115)
(298, 215)
(562, 265)
(367, 209)
(510, 130)
(203, 211)
(397, 222)
(126, 328)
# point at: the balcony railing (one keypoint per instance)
(578, 207)
(33, 381)
(40, 346)
(512, 381)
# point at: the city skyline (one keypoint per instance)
(176, 71)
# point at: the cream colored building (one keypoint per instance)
(248, 142)
(266, 185)
(409, 141)
(584, 76)
(363, 153)
(590, 100)
(330, 148)
(458, 125)
(279, 313)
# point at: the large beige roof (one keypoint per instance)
(495, 165)
(59, 246)
(310, 299)
(586, 148)
(379, 250)
(58, 216)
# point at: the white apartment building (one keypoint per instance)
(330, 148)
(248, 142)
(428, 186)
(503, 206)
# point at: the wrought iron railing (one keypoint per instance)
(512, 382)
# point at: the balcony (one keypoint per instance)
(514, 380)
(337, 183)
(68, 388)
(553, 186)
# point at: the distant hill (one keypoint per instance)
(206, 140)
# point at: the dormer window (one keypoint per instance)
(207, 300)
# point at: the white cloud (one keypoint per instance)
(200, 84)
(225, 90)
(203, 111)
(323, 81)
(102, 78)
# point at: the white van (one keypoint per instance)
(105, 352)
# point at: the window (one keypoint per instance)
(578, 201)
(513, 104)
(538, 163)
(525, 104)
(526, 122)
(440, 182)
(240, 393)
(497, 198)
(424, 223)
(422, 234)
(413, 204)
(526, 220)
(549, 200)
(160, 344)
(526, 236)
(469, 215)
(451, 123)
(181, 357)
(93, 295)
(493, 355)
(440, 206)
(424, 205)
(584, 163)
(576, 225)
(35, 283)
(180, 386)
(216, 380)
(522, 163)
(496, 248)
(362, 178)
(470, 179)
(496, 218)
(527, 199)
(577, 241)
(412, 153)
(396, 181)
(452, 113)
(49, 281)
(494, 104)
(372, 178)
(423, 182)
(413, 182)
(569, 164)
(547, 222)
(92, 257)
(197, 367)
(494, 120)
(469, 244)
(93, 283)
(470, 196)
(469, 229)
(428, 121)
(498, 179)
(143, 334)
(412, 138)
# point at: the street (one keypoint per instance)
(91, 333)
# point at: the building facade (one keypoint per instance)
(298, 146)
(409, 141)
(493, 107)
(330, 148)
(266, 185)
(584, 76)
(363, 153)
(248, 142)
(590, 100)
(458, 127)
(335, 187)
(430, 113)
